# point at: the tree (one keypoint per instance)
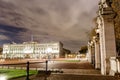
(83, 49)
(116, 7)
(65, 51)
(92, 33)
(1, 49)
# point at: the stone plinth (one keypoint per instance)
(114, 66)
(107, 37)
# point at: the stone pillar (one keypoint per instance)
(119, 64)
(102, 48)
(97, 53)
(107, 37)
(89, 53)
(93, 52)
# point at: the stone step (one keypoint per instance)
(81, 71)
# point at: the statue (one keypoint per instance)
(106, 3)
(109, 2)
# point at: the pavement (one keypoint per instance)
(74, 77)
(51, 64)
(71, 71)
(85, 75)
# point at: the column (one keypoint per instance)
(93, 53)
(110, 47)
(89, 53)
(107, 38)
(97, 53)
(102, 48)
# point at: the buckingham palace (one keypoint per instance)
(33, 50)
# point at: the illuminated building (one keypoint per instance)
(33, 50)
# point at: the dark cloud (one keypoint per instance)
(11, 33)
(68, 21)
(11, 29)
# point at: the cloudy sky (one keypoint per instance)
(68, 21)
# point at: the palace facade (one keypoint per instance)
(33, 50)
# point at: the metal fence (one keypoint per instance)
(27, 67)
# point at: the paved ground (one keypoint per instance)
(51, 64)
(71, 71)
(74, 77)
(69, 77)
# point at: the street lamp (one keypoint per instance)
(49, 50)
(3, 77)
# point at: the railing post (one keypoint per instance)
(27, 71)
(46, 66)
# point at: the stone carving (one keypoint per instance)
(109, 2)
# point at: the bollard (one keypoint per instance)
(27, 71)
(46, 66)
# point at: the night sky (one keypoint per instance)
(68, 21)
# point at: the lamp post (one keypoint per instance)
(27, 71)
(46, 66)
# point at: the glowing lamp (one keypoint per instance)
(3, 77)
(49, 50)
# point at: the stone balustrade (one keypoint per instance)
(114, 65)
